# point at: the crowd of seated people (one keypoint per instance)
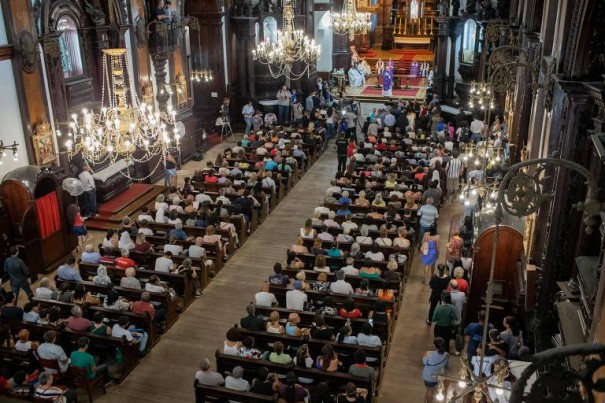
(132, 287)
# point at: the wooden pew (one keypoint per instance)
(355, 281)
(68, 339)
(221, 393)
(181, 283)
(381, 329)
(130, 294)
(226, 363)
(197, 231)
(363, 303)
(139, 321)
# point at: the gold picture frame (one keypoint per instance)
(44, 146)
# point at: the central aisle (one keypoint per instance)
(166, 374)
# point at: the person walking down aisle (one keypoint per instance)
(438, 284)
(430, 251)
(283, 105)
(248, 112)
(341, 152)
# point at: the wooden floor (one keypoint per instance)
(166, 374)
(412, 337)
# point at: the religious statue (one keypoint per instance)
(379, 67)
(387, 79)
(443, 8)
(96, 14)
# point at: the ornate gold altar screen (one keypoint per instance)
(413, 23)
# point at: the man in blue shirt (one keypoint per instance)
(67, 271)
(270, 165)
(90, 256)
(278, 278)
(178, 232)
(475, 332)
(18, 272)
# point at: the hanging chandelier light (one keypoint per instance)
(123, 128)
(288, 47)
(199, 76)
(350, 21)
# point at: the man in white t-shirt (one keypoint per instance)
(349, 269)
(202, 197)
(206, 376)
(235, 381)
(340, 286)
(295, 299)
(164, 263)
(122, 328)
(197, 250)
(264, 297)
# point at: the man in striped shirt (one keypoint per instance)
(453, 169)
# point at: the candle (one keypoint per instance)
(399, 25)
(405, 26)
(432, 20)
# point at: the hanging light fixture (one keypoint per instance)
(199, 76)
(288, 47)
(4, 149)
(350, 21)
(123, 128)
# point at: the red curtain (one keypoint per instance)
(49, 220)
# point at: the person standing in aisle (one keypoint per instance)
(341, 152)
(283, 104)
(18, 273)
(89, 197)
(248, 112)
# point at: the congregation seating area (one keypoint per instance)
(177, 288)
(378, 309)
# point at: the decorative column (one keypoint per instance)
(439, 81)
(453, 36)
(384, 20)
(159, 64)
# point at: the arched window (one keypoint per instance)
(468, 41)
(69, 43)
(270, 30)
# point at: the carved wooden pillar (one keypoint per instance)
(454, 34)
(159, 64)
(439, 81)
(384, 19)
(341, 58)
(557, 240)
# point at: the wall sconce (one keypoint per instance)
(4, 149)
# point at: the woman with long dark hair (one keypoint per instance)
(289, 390)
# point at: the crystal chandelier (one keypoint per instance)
(350, 21)
(123, 128)
(481, 96)
(288, 47)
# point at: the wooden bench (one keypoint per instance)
(140, 321)
(380, 329)
(181, 283)
(68, 339)
(361, 302)
(221, 393)
(197, 231)
(161, 299)
(226, 363)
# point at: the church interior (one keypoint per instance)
(319, 201)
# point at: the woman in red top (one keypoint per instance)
(348, 310)
(351, 148)
(79, 229)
